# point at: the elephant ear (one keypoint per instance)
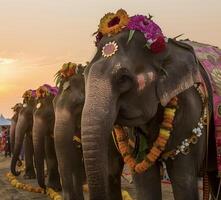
(181, 73)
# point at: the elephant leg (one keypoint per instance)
(78, 174)
(148, 184)
(52, 164)
(115, 168)
(29, 163)
(183, 175)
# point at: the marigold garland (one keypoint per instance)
(113, 23)
(158, 145)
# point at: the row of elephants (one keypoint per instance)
(139, 83)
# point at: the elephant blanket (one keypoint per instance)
(210, 59)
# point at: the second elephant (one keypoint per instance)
(43, 137)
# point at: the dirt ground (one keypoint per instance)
(7, 192)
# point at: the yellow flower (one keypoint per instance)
(112, 23)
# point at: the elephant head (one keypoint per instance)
(16, 109)
(23, 126)
(68, 105)
(43, 127)
(126, 82)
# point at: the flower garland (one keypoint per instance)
(112, 24)
(17, 107)
(46, 90)
(29, 94)
(158, 146)
(67, 70)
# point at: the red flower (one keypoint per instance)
(159, 45)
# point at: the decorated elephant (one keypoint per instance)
(16, 109)
(68, 108)
(139, 78)
(24, 130)
(43, 137)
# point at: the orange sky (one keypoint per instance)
(37, 36)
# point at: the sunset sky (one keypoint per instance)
(37, 36)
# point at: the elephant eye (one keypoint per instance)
(123, 80)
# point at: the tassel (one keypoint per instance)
(205, 187)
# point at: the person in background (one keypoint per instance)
(1, 142)
(6, 141)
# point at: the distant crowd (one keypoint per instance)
(5, 141)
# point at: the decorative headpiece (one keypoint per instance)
(16, 107)
(28, 94)
(67, 70)
(112, 24)
(46, 90)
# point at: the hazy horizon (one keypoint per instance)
(38, 36)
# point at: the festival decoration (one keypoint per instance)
(28, 94)
(109, 49)
(15, 183)
(184, 147)
(38, 105)
(156, 152)
(66, 71)
(46, 90)
(216, 78)
(158, 146)
(112, 24)
(49, 191)
(16, 107)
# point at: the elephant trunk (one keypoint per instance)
(38, 142)
(63, 138)
(97, 122)
(20, 130)
(12, 135)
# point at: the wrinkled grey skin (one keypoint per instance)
(23, 131)
(14, 120)
(43, 133)
(68, 108)
(116, 95)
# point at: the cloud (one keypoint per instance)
(6, 61)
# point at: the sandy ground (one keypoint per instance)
(7, 192)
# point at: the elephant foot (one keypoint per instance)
(55, 186)
(29, 176)
(19, 163)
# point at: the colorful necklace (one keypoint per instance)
(158, 145)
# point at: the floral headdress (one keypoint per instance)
(112, 24)
(28, 94)
(67, 70)
(16, 107)
(46, 90)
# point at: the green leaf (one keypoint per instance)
(65, 65)
(143, 146)
(131, 33)
(58, 80)
(147, 45)
(150, 16)
(165, 71)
